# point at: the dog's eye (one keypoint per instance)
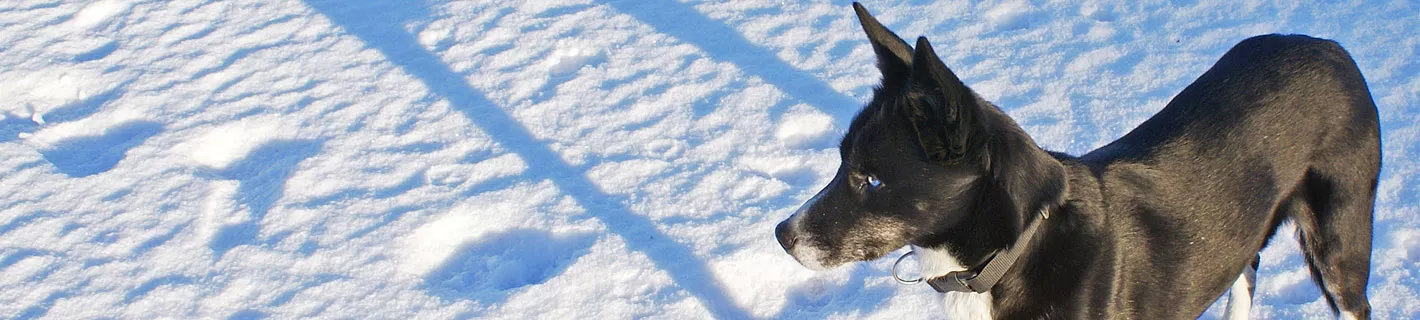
(872, 183)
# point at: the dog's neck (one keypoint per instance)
(1049, 250)
(940, 262)
(937, 262)
(983, 277)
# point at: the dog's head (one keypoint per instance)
(927, 162)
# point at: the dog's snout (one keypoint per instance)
(785, 233)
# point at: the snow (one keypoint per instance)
(224, 144)
(561, 159)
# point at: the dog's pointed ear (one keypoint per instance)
(954, 126)
(943, 110)
(894, 56)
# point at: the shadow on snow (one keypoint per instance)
(380, 25)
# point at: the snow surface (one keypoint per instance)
(560, 159)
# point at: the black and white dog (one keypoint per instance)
(1156, 225)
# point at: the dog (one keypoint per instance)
(1155, 225)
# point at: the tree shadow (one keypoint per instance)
(723, 42)
(379, 24)
(495, 267)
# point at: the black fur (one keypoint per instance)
(1155, 225)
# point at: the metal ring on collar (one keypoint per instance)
(899, 279)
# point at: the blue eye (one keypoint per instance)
(873, 183)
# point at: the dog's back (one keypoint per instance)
(1282, 127)
(1265, 86)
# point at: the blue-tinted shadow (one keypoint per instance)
(724, 43)
(816, 301)
(380, 25)
(262, 179)
(490, 269)
(264, 171)
(86, 156)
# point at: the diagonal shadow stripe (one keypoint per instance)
(379, 25)
(724, 43)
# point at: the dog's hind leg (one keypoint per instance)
(1240, 295)
(1335, 227)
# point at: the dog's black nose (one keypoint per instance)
(786, 236)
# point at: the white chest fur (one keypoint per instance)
(937, 262)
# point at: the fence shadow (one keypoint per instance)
(379, 25)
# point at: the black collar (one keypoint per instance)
(982, 277)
